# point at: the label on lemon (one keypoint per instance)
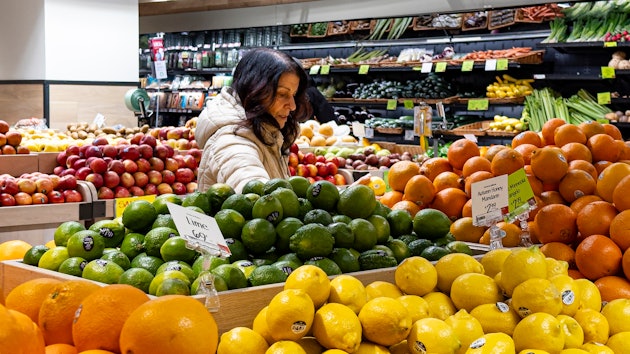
(523, 311)
(568, 297)
(200, 230)
(419, 347)
(503, 307)
(478, 343)
(298, 327)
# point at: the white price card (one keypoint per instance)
(369, 133)
(426, 67)
(358, 129)
(200, 230)
(491, 64)
(409, 134)
(489, 200)
(160, 69)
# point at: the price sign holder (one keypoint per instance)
(502, 64)
(521, 202)
(314, 70)
(363, 69)
(608, 72)
(489, 205)
(391, 104)
(408, 104)
(603, 97)
(468, 65)
(480, 104)
(440, 67)
(610, 44)
(325, 70)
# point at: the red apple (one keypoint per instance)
(23, 198)
(70, 160)
(318, 178)
(168, 176)
(136, 191)
(72, 196)
(300, 156)
(171, 164)
(191, 187)
(293, 159)
(127, 180)
(174, 133)
(7, 199)
(116, 166)
(335, 160)
(82, 173)
(310, 179)
(105, 193)
(330, 178)
(184, 175)
(67, 182)
(100, 141)
(155, 177)
(146, 151)
(9, 186)
(321, 168)
(148, 140)
(309, 158)
(55, 180)
(170, 151)
(143, 165)
(77, 164)
(121, 192)
(340, 180)
(135, 139)
(180, 160)
(190, 162)
(161, 151)
(93, 151)
(55, 197)
(61, 158)
(141, 179)
(44, 185)
(82, 150)
(107, 159)
(111, 179)
(156, 163)
(320, 158)
(130, 152)
(68, 171)
(331, 168)
(109, 151)
(302, 170)
(294, 148)
(179, 188)
(312, 170)
(98, 165)
(196, 153)
(39, 198)
(96, 179)
(150, 189)
(292, 171)
(164, 188)
(72, 150)
(130, 166)
(26, 185)
(183, 144)
(162, 133)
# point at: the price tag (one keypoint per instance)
(539, 76)
(363, 69)
(416, 68)
(391, 104)
(603, 97)
(314, 70)
(369, 133)
(121, 203)
(200, 230)
(325, 70)
(610, 44)
(358, 129)
(467, 65)
(608, 72)
(426, 67)
(160, 69)
(502, 64)
(408, 104)
(489, 200)
(409, 135)
(480, 104)
(520, 194)
(602, 120)
(491, 65)
(470, 137)
(440, 67)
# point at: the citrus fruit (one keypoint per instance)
(319, 216)
(150, 263)
(416, 276)
(275, 183)
(112, 232)
(338, 327)
(73, 266)
(27, 297)
(342, 218)
(284, 230)
(159, 203)
(87, 244)
(233, 276)
(285, 347)
(381, 226)
(218, 193)
(539, 330)
(520, 265)
(53, 258)
(616, 313)
(466, 327)
(268, 207)
(434, 253)
(174, 248)
(32, 255)
(258, 235)
(159, 278)
(164, 220)
(400, 222)
(473, 289)
(431, 224)
(312, 280)
(399, 249)
(353, 197)
(569, 293)
(199, 200)
(573, 333)
(173, 286)
(312, 240)
(299, 185)
(417, 246)
(242, 340)
(180, 266)
(266, 274)
(117, 257)
(378, 257)
(453, 265)
(619, 342)
(594, 324)
(305, 207)
(139, 215)
(492, 261)
(536, 295)
(240, 203)
(364, 232)
(206, 263)
(432, 335)
(349, 291)
(65, 230)
(323, 195)
(253, 186)
(204, 281)
(290, 314)
(289, 201)
(326, 264)
(103, 271)
(137, 277)
(385, 321)
(492, 343)
(155, 238)
(237, 249)
(132, 244)
(13, 249)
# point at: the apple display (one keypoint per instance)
(184, 175)
(127, 180)
(23, 198)
(71, 159)
(164, 188)
(93, 151)
(146, 151)
(141, 179)
(110, 151)
(121, 192)
(55, 197)
(39, 198)
(72, 196)
(82, 173)
(148, 139)
(67, 182)
(136, 191)
(7, 199)
(98, 165)
(168, 176)
(96, 179)
(105, 193)
(150, 189)
(161, 152)
(111, 179)
(130, 152)
(116, 166)
(171, 164)
(179, 188)
(155, 177)
(156, 163)
(26, 185)
(77, 164)
(130, 166)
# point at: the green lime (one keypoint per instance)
(434, 253)
(357, 201)
(174, 249)
(399, 248)
(400, 222)
(268, 207)
(312, 240)
(207, 279)
(230, 222)
(180, 266)
(305, 207)
(345, 259)
(385, 249)
(132, 244)
(103, 271)
(240, 203)
(266, 258)
(407, 238)
(155, 238)
(73, 266)
(267, 274)
(109, 249)
(139, 215)
(275, 183)
(417, 246)
(253, 197)
(326, 264)
(195, 208)
(431, 223)
(459, 247)
(150, 263)
(289, 201)
(364, 232)
(164, 220)
(381, 225)
(207, 263)
(376, 259)
(291, 257)
(32, 256)
(112, 232)
(137, 277)
(245, 266)
(119, 258)
(254, 186)
(443, 241)
(323, 194)
(53, 258)
(381, 209)
(286, 266)
(342, 218)
(167, 274)
(218, 193)
(237, 249)
(299, 185)
(159, 203)
(319, 216)
(258, 235)
(65, 230)
(342, 233)
(198, 199)
(173, 286)
(233, 276)
(284, 230)
(87, 244)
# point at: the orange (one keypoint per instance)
(13, 249)
(58, 309)
(390, 198)
(625, 152)
(28, 296)
(560, 251)
(591, 128)
(492, 151)
(556, 223)
(526, 137)
(30, 336)
(448, 179)
(551, 197)
(549, 164)
(102, 314)
(549, 130)
(170, 324)
(11, 335)
(621, 194)
(474, 164)
(420, 190)
(512, 235)
(464, 230)
(575, 184)
(507, 161)
(576, 151)
(535, 183)
(568, 133)
(598, 256)
(533, 232)
(620, 230)
(575, 274)
(584, 166)
(603, 148)
(461, 150)
(61, 348)
(96, 351)
(450, 201)
(581, 202)
(526, 151)
(613, 131)
(609, 178)
(625, 263)
(400, 172)
(467, 209)
(595, 218)
(539, 204)
(613, 287)
(408, 206)
(433, 166)
(475, 177)
(601, 165)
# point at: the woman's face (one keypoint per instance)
(284, 102)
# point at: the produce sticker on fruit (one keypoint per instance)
(489, 200)
(200, 230)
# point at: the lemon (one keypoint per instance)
(533, 351)
(453, 265)
(336, 326)
(379, 288)
(617, 313)
(492, 261)
(53, 257)
(596, 348)
(569, 293)
(536, 295)
(260, 325)
(242, 340)
(589, 296)
(416, 306)
(416, 276)
(573, 351)
(466, 327)
(371, 348)
(520, 265)
(399, 348)
(378, 185)
(556, 267)
(385, 321)
(497, 317)
(285, 347)
(492, 343)
(311, 345)
(440, 305)
(619, 342)
(431, 335)
(594, 324)
(539, 331)
(313, 280)
(290, 314)
(349, 291)
(473, 289)
(573, 333)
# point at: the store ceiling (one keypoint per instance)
(165, 7)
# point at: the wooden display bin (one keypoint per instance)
(16, 165)
(46, 162)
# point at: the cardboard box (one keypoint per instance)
(16, 165)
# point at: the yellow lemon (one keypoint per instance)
(594, 324)
(416, 306)
(385, 321)
(378, 185)
(596, 348)
(473, 289)
(416, 276)
(242, 340)
(260, 325)
(310, 345)
(492, 343)
(399, 348)
(285, 347)
(533, 351)
(336, 326)
(348, 290)
(556, 267)
(440, 305)
(520, 265)
(371, 348)
(290, 315)
(379, 288)
(573, 333)
(466, 327)
(539, 331)
(619, 342)
(313, 280)
(492, 261)
(589, 295)
(431, 335)
(536, 295)
(335, 351)
(497, 317)
(573, 351)
(453, 265)
(13, 249)
(569, 293)
(50, 244)
(617, 313)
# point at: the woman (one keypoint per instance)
(246, 130)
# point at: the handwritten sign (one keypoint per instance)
(521, 195)
(408, 104)
(200, 230)
(480, 104)
(358, 129)
(325, 70)
(440, 67)
(608, 72)
(467, 65)
(314, 70)
(491, 65)
(363, 69)
(426, 67)
(121, 203)
(603, 97)
(391, 104)
(489, 200)
(502, 64)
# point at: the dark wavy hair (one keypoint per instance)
(256, 80)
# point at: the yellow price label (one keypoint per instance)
(480, 104)
(408, 104)
(391, 104)
(610, 44)
(608, 72)
(325, 70)
(314, 70)
(440, 67)
(467, 65)
(520, 193)
(363, 69)
(502, 64)
(121, 203)
(603, 97)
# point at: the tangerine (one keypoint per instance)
(464, 230)
(507, 161)
(548, 130)
(568, 133)
(474, 164)
(595, 218)
(461, 150)
(585, 166)
(549, 164)
(493, 150)
(526, 137)
(401, 172)
(535, 183)
(408, 206)
(620, 230)
(598, 256)
(433, 166)
(620, 196)
(613, 287)
(591, 128)
(560, 251)
(512, 236)
(526, 151)
(27, 297)
(609, 178)
(625, 264)
(389, 198)
(475, 177)
(581, 202)
(448, 179)
(450, 201)
(551, 197)
(576, 151)
(575, 184)
(556, 223)
(603, 148)
(613, 131)
(467, 209)
(420, 190)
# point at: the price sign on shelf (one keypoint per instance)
(160, 69)
(391, 104)
(491, 65)
(603, 97)
(610, 44)
(468, 65)
(502, 64)
(408, 104)
(608, 72)
(521, 195)
(325, 70)
(480, 104)
(363, 69)
(426, 67)
(314, 70)
(489, 200)
(121, 203)
(200, 230)
(440, 67)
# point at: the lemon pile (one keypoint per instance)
(312, 133)
(508, 301)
